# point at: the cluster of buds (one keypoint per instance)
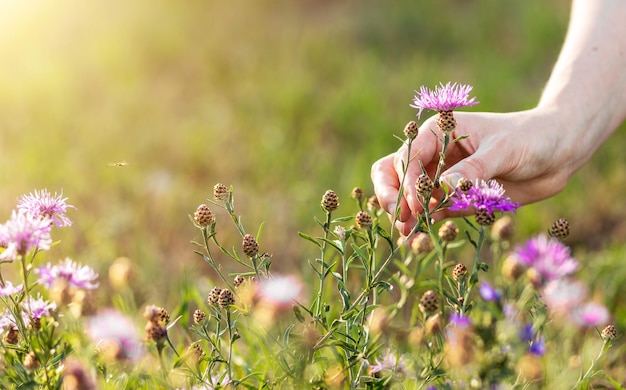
(250, 245)
(459, 272)
(448, 231)
(410, 130)
(363, 220)
(357, 194)
(424, 186)
(223, 298)
(198, 316)
(429, 302)
(238, 280)
(422, 243)
(560, 229)
(157, 318)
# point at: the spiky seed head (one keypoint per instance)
(448, 231)
(238, 280)
(330, 201)
(410, 130)
(422, 243)
(250, 246)
(503, 229)
(484, 217)
(423, 185)
(429, 302)
(464, 184)
(214, 295)
(226, 299)
(164, 315)
(560, 229)
(512, 269)
(363, 220)
(459, 272)
(357, 193)
(609, 333)
(198, 316)
(220, 192)
(446, 122)
(204, 216)
(155, 331)
(373, 204)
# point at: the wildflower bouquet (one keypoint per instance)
(437, 309)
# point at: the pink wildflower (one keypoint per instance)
(21, 233)
(111, 326)
(590, 315)
(42, 204)
(447, 97)
(548, 256)
(75, 274)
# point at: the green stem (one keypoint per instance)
(442, 162)
(320, 294)
(474, 275)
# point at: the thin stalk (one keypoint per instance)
(320, 293)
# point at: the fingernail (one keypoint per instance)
(392, 208)
(452, 179)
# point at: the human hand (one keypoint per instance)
(527, 152)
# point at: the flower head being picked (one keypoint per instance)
(444, 99)
(43, 204)
(486, 197)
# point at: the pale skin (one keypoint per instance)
(532, 153)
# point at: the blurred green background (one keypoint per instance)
(281, 99)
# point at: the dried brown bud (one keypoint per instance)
(410, 130)
(220, 192)
(164, 316)
(609, 333)
(357, 193)
(155, 331)
(250, 246)
(422, 243)
(330, 201)
(448, 231)
(429, 302)
(503, 229)
(423, 185)
(484, 217)
(204, 216)
(373, 204)
(459, 272)
(363, 220)
(446, 122)
(226, 299)
(512, 269)
(30, 361)
(214, 295)
(12, 336)
(464, 184)
(560, 229)
(198, 316)
(152, 313)
(238, 280)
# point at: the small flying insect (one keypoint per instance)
(118, 164)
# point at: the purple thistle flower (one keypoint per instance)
(8, 289)
(561, 295)
(483, 195)
(488, 293)
(77, 275)
(111, 326)
(537, 347)
(447, 97)
(45, 205)
(37, 308)
(23, 232)
(460, 321)
(527, 334)
(548, 256)
(590, 315)
(390, 363)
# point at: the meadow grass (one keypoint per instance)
(280, 100)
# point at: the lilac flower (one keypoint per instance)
(23, 232)
(390, 364)
(460, 321)
(447, 97)
(483, 195)
(590, 315)
(537, 347)
(8, 289)
(488, 293)
(45, 205)
(37, 308)
(7, 320)
(527, 333)
(548, 256)
(561, 295)
(77, 275)
(111, 326)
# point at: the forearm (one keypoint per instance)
(587, 87)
